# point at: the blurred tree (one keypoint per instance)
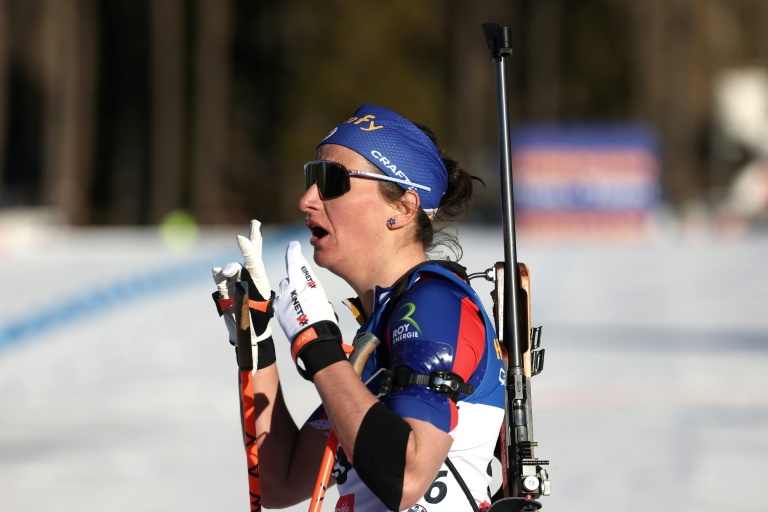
(70, 78)
(169, 102)
(322, 63)
(22, 102)
(4, 55)
(119, 111)
(472, 93)
(211, 108)
(119, 191)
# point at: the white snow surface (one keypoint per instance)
(654, 393)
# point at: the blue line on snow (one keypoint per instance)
(120, 292)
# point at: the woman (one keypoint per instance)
(376, 185)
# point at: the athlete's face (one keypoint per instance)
(346, 229)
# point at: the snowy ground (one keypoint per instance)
(118, 389)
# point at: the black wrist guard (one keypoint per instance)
(266, 353)
(316, 347)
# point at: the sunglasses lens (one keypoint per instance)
(332, 178)
(311, 175)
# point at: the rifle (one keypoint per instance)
(523, 477)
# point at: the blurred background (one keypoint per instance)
(117, 112)
(138, 137)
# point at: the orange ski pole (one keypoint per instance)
(245, 380)
(363, 346)
(324, 474)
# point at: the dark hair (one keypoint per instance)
(454, 205)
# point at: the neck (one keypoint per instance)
(383, 273)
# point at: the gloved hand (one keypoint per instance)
(225, 280)
(306, 316)
(260, 295)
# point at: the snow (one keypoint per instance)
(118, 389)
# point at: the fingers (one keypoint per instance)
(251, 246)
(226, 277)
(254, 235)
(251, 249)
(294, 261)
(232, 270)
(221, 282)
(299, 270)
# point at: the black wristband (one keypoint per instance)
(320, 354)
(266, 353)
(317, 346)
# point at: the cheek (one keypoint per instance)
(361, 213)
(358, 222)
(353, 221)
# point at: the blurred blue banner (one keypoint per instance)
(600, 181)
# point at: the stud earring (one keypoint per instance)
(391, 222)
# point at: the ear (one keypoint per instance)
(405, 210)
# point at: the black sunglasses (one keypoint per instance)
(332, 178)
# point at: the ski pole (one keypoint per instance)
(245, 381)
(523, 478)
(363, 346)
(324, 473)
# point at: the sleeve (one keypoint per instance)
(434, 326)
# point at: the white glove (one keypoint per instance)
(301, 299)
(251, 249)
(225, 280)
(306, 316)
(256, 275)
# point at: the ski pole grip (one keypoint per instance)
(364, 344)
(243, 322)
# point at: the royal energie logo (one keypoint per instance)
(366, 118)
(411, 307)
(411, 328)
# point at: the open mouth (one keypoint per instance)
(317, 231)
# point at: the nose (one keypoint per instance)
(310, 199)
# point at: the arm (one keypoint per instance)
(347, 401)
(288, 456)
(403, 449)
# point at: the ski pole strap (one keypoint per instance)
(262, 306)
(441, 381)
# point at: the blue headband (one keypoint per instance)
(397, 147)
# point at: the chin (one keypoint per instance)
(325, 260)
(320, 258)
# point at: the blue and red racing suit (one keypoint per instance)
(437, 323)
